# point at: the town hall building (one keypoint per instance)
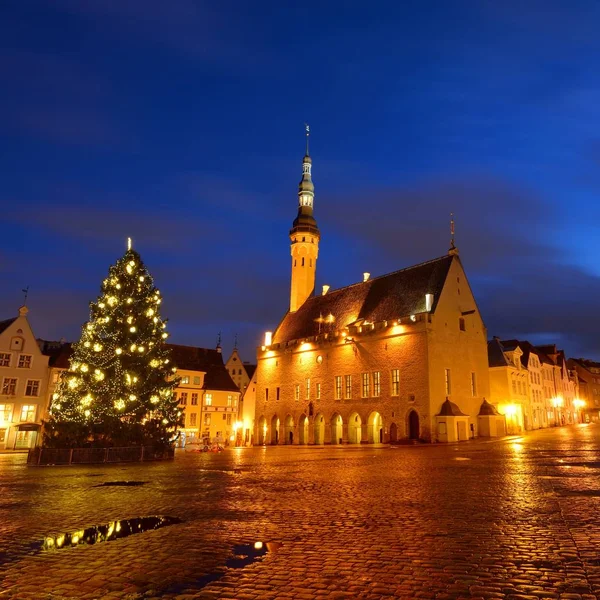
(398, 357)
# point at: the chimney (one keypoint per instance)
(366, 276)
(325, 289)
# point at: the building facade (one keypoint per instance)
(241, 372)
(24, 380)
(373, 362)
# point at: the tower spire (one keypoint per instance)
(453, 249)
(307, 128)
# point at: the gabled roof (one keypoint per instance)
(388, 297)
(4, 325)
(249, 369)
(450, 409)
(190, 358)
(496, 357)
(586, 363)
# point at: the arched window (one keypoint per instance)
(303, 261)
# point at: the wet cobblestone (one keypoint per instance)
(515, 519)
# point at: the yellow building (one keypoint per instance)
(240, 372)
(245, 433)
(207, 395)
(24, 381)
(398, 357)
(509, 386)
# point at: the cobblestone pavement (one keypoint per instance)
(514, 519)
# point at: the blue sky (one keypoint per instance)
(181, 124)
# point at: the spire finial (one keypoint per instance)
(26, 292)
(219, 343)
(307, 129)
(235, 342)
(128, 243)
(453, 248)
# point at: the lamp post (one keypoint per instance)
(578, 404)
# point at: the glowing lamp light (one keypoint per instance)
(268, 338)
(511, 409)
(556, 402)
(577, 403)
(258, 545)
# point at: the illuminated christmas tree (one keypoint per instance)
(119, 387)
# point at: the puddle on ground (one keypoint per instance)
(107, 533)
(121, 483)
(461, 458)
(243, 555)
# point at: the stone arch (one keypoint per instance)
(319, 429)
(288, 430)
(354, 429)
(275, 430)
(303, 430)
(262, 431)
(375, 428)
(393, 432)
(337, 428)
(413, 425)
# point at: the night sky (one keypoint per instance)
(180, 124)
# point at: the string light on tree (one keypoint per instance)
(121, 350)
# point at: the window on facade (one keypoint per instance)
(207, 419)
(185, 380)
(194, 399)
(193, 419)
(318, 391)
(55, 377)
(514, 386)
(183, 398)
(377, 384)
(297, 392)
(366, 385)
(461, 324)
(229, 400)
(395, 382)
(208, 400)
(302, 261)
(308, 388)
(175, 396)
(228, 419)
(239, 371)
(235, 402)
(338, 387)
(266, 394)
(4, 359)
(28, 413)
(24, 361)
(224, 417)
(32, 388)
(447, 381)
(9, 386)
(5, 413)
(196, 380)
(348, 386)
(473, 385)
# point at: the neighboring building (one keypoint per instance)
(206, 393)
(24, 380)
(59, 355)
(588, 373)
(509, 385)
(376, 361)
(240, 372)
(245, 434)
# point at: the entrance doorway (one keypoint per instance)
(336, 429)
(275, 430)
(393, 432)
(354, 429)
(289, 430)
(414, 429)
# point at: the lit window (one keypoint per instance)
(376, 384)
(338, 387)
(448, 382)
(395, 382)
(194, 399)
(307, 388)
(28, 413)
(317, 391)
(9, 386)
(4, 359)
(366, 385)
(55, 377)
(208, 400)
(207, 419)
(229, 419)
(473, 385)
(196, 380)
(185, 380)
(32, 388)
(348, 379)
(193, 419)
(229, 400)
(297, 393)
(5, 413)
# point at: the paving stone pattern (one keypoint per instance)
(514, 519)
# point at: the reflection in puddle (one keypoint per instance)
(121, 483)
(107, 533)
(248, 553)
(461, 458)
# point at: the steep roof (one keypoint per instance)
(586, 363)
(496, 356)
(59, 356)
(4, 325)
(450, 409)
(249, 369)
(487, 409)
(388, 297)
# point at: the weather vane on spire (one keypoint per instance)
(26, 292)
(307, 129)
(453, 249)
(128, 243)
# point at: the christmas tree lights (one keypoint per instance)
(119, 387)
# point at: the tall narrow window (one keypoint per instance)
(229, 400)
(32, 388)
(277, 393)
(208, 400)
(28, 412)
(194, 399)
(4, 359)
(473, 385)
(24, 361)
(395, 382)
(318, 391)
(448, 382)
(376, 384)
(9, 386)
(266, 394)
(308, 388)
(348, 387)
(297, 394)
(461, 324)
(338, 387)
(366, 385)
(183, 398)
(303, 261)
(193, 417)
